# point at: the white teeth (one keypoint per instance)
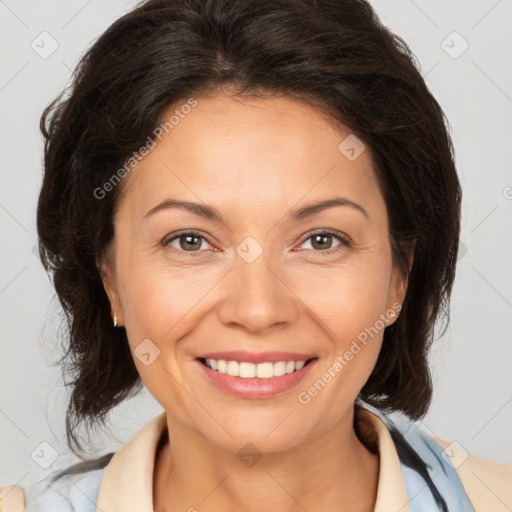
(221, 366)
(212, 364)
(250, 370)
(299, 365)
(247, 370)
(264, 371)
(233, 368)
(290, 366)
(279, 368)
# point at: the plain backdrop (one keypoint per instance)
(464, 50)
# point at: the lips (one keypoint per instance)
(255, 375)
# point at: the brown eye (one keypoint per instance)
(321, 242)
(191, 242)
(324, 241)
(186, 242)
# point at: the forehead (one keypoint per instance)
(252, 153)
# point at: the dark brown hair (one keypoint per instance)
(334, 54)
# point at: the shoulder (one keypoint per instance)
(487, 483)
(69, 492)
(12, 499)
(459, 476)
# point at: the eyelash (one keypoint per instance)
(343, 239)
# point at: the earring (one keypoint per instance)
(115, 320)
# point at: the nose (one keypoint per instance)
(257, 298)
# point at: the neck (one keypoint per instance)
(331, 471)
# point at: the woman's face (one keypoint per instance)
(254, 283)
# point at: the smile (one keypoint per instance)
(257, 379)
(247, 370)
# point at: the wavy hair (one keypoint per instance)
(334, 54)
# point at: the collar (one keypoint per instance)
(127, 483)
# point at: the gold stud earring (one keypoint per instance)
(115, 320)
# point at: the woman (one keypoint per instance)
(252, 209)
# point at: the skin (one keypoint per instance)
(255, 161)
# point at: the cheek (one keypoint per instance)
(158, 301)
(351, 311)
(348, 299)
(158, 308)
(349, 303)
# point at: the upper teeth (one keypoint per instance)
(251, 370)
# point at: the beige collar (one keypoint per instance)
(127, 483)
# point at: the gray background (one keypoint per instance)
(471, 364)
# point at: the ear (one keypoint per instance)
(108, 276)
(398, 288)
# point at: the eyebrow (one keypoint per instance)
(209, 212)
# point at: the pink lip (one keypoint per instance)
(256, 357)
(254, 389)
